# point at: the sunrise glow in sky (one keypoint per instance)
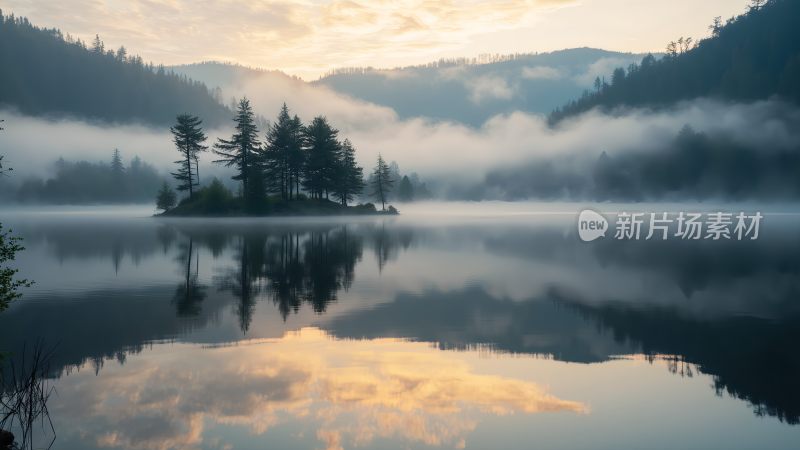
(309, 37)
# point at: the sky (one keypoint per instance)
(307, 38)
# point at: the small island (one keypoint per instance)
(215, 200)
(298, 170)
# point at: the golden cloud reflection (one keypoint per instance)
(349, 392)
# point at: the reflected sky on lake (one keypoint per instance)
(349, 393)
(451, 329)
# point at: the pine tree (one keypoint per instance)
(381, 181)
(405, 191)
(297, 155)
(321, 155)
(166, 198)
(122, 54)
(349, 176)
(118, 183)
(188, 136)
(97, 45)
(243, 151)
(394, 173)
(281, 142)
(117, 167)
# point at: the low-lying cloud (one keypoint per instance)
(445, 148)
(435, 149)
(489, 88)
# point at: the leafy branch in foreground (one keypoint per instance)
(1, 156)
(9, 246)
(1, 165)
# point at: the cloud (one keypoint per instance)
(440, 150)
(305, 38)
(488, 88)
(308, 38)
(268, 91)
(448, 149)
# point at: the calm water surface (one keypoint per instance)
(488, 327)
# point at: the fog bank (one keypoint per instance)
(444, 152)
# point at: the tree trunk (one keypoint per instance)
(189, 170)
(197, 170)
(188, 267)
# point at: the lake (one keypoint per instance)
(451, 326)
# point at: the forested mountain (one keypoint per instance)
(753, 56)
(473, 90)
(43, 72)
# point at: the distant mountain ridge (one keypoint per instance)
(472, 93)
(44, 73)
(468, 91)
